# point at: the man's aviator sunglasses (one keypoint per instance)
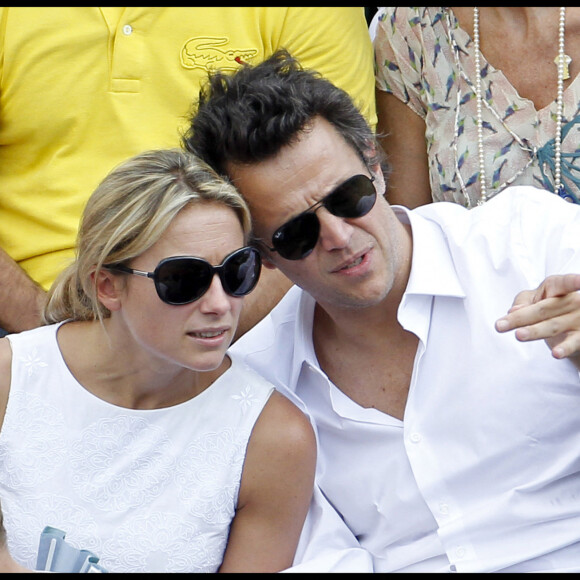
(184, 279)
(354, 198)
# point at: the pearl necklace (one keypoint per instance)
(562, 61)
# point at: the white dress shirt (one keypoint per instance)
(483, 474)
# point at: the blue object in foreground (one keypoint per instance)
(55, 554)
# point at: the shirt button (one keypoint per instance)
(127, 30)
(415, 437)
(444, 508)
(460, 552)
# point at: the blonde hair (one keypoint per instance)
(128, 213)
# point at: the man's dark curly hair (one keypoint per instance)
(248, 116)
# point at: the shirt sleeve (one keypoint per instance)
(336, 43)
(399, 54)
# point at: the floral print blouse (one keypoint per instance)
(426, 60)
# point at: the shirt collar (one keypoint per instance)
(304, 344)
(432, 274)
(432, 269)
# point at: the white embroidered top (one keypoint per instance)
(145, 490)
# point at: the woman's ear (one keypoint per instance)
(109, 287)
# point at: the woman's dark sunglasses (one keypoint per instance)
(354, 198)
(184, 279)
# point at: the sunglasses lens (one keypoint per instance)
(353, 199)
(297, 238)
(241, 271)
(182, 280)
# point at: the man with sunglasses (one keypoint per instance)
(446, 443)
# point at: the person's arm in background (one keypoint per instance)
(336, 43)
(268, 292)
(21, 299)
(400, 109)
(401, 134)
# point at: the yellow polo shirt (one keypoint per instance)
(84, 88)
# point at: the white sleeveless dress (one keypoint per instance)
(144, 490)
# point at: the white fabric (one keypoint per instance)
(484, 472)
(374, 25)
(145, 490)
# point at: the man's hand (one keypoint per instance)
(550, 312)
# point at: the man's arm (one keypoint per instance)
(21, 299)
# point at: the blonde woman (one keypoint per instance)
(123, 420)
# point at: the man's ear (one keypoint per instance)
(376, 169)
(109, 288)
(380, 181)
